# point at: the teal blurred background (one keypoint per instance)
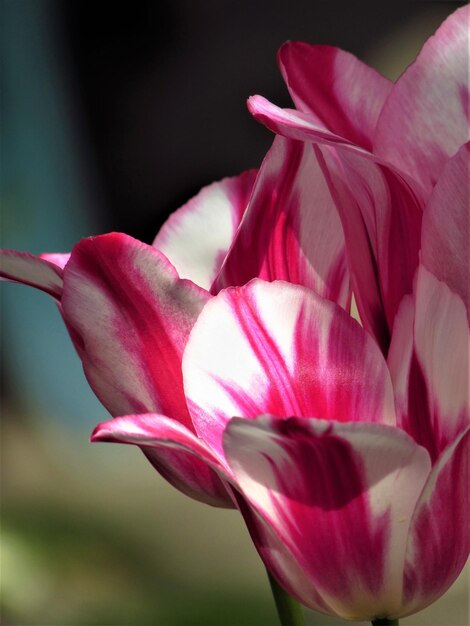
(112, 116)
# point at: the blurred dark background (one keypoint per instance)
(162, 86)
(113, 115)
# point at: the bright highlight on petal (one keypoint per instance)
(278, 348)
(196, 238)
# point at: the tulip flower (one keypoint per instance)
(237, 368)
(382, 147)
(351, 472)
(348, 507)
(129, 307)
(347, 449)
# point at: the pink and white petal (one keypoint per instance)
(291, 230)
(298, 125)
(340, 497)
(280, 348)
(425, 119)
(131, 316)
(342, 93)
(439, 540)
(446, 229)
(279, 560)
(442, 344)
(379, 210)
(42, 273)
(196, 238)
(429, 364)
(381, 217)
(178, 455)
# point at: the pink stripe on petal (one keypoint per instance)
(197, 236)
(279, 560)
(133, 315)
(439, 541)
(298, 125)
(179, 456)
(280, 348)
(41, 272)
(340, 497)
(379, 210)
(291, 230)
(446, 229)
(425, 119)
(429, 364)
(341, 92)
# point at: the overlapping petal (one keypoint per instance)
(196, 238)
(183, 459)
(425, 119)
(298, 125)
(278, 558)
(133, 314)
(280, 348)
(429, 364)
(379, 210)
(439, 540)
(446, 229)
(340, 497)
(343, 94)
(291, 230)
(343, 506)
(43, 272)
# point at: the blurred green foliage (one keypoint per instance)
(64, 567)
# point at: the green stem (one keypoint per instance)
(385, 622)
(288, 609)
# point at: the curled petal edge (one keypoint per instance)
(151, 431)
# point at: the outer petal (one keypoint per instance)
(132, 314)
(280, 348)
(197, 237)
(291, 230)
(43, 272)
(439, 540)
(339, 497)
(429, 364)
(379, 211)
(342, 93)
(182, 458)
(425, 119)
(279, 560)
(446, 229)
